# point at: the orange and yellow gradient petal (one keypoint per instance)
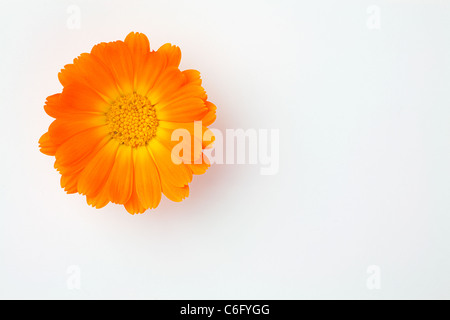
(111, 137)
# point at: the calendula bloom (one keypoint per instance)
(114, 119)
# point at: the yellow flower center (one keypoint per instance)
(132, 120)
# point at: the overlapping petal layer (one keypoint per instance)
(91, 160)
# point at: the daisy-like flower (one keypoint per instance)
(114, 119)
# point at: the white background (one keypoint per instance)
(364, 173)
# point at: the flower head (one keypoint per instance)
(114, 119)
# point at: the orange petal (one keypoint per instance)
(134, 205)
(153, 65)
(187, 110)
(139, 47)
(96, 173)
(169, 172)
(117, 57)
(200, 168)
(138, 43)
(148, 184)
(185, 92)
(176, 194)
(62, 129)
(192, 77)
(166, 130)
(99, 200)
(120, 181)
(80, 98)
(88, 69)
(51, 106)
(166, 85)
(210, 117)
(70, 174)
(69, 182)
(80, 147)
(172, 53)
(46, 145)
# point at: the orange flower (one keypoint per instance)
(114, 119)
